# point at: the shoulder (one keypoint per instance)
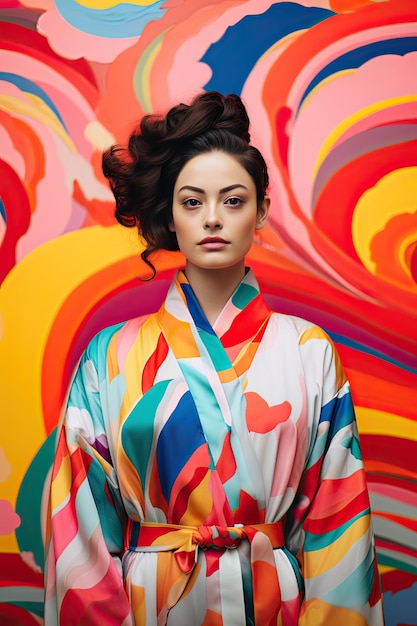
(299, 329)
(316, 350)
(113, 338)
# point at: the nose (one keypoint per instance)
(212, 219)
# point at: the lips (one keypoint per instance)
(212, 240)
(213, 243)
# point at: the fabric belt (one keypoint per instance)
(185, 541)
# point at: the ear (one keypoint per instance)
(262, 214)
(171, 225)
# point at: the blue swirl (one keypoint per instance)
(235, 55)
(118, 22)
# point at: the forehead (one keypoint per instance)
(210, 169)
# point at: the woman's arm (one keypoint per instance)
(83, 581)
(330, 522)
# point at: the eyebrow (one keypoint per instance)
(223, 190)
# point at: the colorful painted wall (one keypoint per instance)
(331, 88)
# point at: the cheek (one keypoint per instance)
(181, 230)
(247, 227)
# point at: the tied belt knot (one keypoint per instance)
(218, 537)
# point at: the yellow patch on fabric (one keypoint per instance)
(107, 468)
(245, 358)
(314, 332)
(226, 376)
(179, 336)
(112, 364)
(137, 595)
(129, 480)
(321, 561)
(61, 485)
(200, 501)
(315, 612)
(171, 584)
(136, 360)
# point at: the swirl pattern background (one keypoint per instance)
(331, 89)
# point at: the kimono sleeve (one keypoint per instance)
(330, 521)
(83, 580)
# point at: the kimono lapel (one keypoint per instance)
(213, 362)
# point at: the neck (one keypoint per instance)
(213, 288)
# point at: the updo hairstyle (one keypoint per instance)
(142, 175)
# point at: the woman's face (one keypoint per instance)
(214, 211)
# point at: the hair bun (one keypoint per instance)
(235, 118)
(221, 112)
(208, 111)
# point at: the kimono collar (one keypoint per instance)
(239, 319)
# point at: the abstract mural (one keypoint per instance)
(331, 89)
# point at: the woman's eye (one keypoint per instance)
(191, 203)
(234, 201)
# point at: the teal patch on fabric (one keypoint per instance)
(243, 295)
(352, 444)
(105, 514)
(211, 417)
(294, 564)
(355, 449)
(216, 351)
(318, 449)
(138, 429)
(355, 590)
(98, 347)
(318, 542)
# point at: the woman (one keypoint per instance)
(208, 470)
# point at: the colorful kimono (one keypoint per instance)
(210, 475)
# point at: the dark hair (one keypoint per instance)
(142, 175)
